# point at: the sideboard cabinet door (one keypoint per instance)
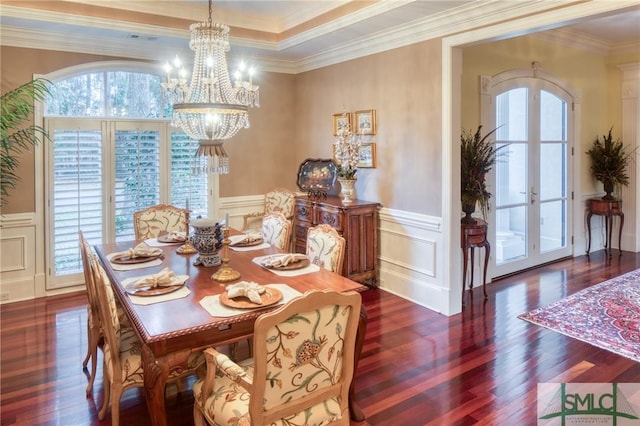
(357, 222)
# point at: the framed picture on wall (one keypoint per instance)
(341, 120)
(366, 122)
(367, 155)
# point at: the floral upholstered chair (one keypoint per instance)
(158, 219)
(276, 230)
(325, 247)
(279, 200)
(122, 368)
(301, 372)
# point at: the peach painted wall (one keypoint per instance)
(262, 157)
(404, 87)
(294, 122)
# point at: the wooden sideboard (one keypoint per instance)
(357, 222)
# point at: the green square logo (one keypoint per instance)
(565, 404)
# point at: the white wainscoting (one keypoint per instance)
(411, 258)
(17, 260)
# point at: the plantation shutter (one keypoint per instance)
(186, 184)
(137, 173)
(77, 200)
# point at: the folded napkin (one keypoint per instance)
(177, 236)
(248, 289)
(141, 250)
(280, 261)
(245, 239)
(164, 278)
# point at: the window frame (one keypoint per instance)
(44, 169)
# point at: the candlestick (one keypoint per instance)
(187, 248)
(226, 220)
(225, 273)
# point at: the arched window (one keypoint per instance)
(113, 152)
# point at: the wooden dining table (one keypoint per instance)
(171, 330)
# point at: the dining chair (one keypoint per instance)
(154, 220)
(276, 230)
(300, 374)
(95, 336)
(94, 330)
(326, 247)
(277, 200)
(122, 368)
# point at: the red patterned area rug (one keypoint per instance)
(606, 315)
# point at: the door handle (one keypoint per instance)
(533, 194)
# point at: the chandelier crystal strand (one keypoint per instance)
(211, 109)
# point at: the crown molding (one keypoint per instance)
(473, 16)
(580, 41)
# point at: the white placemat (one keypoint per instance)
(153, 242)
(216, 309)
(149, 300)
(132, 266)
(251, 248)
(287, 273)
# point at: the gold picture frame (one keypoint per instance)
(367, 155)
(365, 122)
(339, 120)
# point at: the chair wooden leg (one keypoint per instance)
(86, 358)
(198, 418)
(94, 340)
(107, 394)
(115, 405)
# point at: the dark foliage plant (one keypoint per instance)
(609, 160)
(18, 133)
(477, 157)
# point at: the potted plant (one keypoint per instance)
(609, 161)
(477, 157)
(17, 131)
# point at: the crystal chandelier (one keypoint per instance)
(211, 109)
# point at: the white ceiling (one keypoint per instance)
(294, 36)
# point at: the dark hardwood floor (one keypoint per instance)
(417, 367)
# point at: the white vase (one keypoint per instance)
(347, 189)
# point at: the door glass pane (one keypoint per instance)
(511, 175)
(511, 235)
(553, 118)
(77, 195)
(552, 225)
(512, 115)
(137, 178)
(553, 170)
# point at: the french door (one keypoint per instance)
(532, 198)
